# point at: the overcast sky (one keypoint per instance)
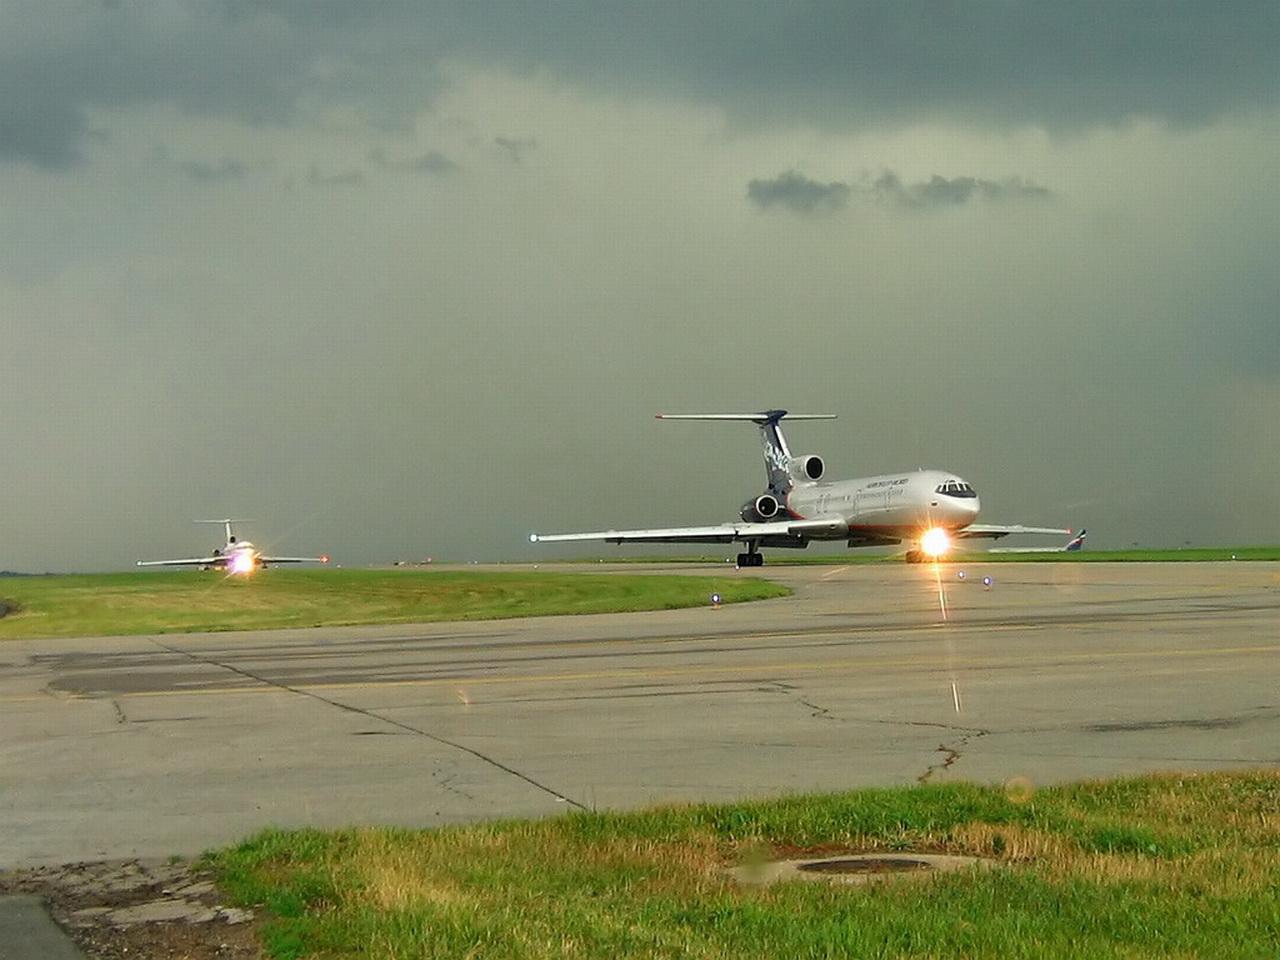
(409, 278)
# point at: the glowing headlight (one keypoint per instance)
(242, 562)
(935, 542)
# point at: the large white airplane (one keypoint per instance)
(235, 556)
(927, 509)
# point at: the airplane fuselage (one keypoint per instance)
(238, 557)
(895, 506)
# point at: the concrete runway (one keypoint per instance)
(147, 746)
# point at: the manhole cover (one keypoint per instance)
(854, 868)
(864, 865)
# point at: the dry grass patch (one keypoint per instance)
(1009, 842)
(1149, 867)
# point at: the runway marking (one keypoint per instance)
(738, 669)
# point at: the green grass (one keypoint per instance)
(1158, 866)
(797, 557)
(131, 603)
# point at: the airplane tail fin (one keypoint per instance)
(1076, 542)
(226, 523)
(779, 464)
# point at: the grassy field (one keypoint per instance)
(797, 557)
(130, 603)
(1148, 867)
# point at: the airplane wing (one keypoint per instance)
(994, 531)
(187, 562)
(324, 559)
(723, 533)
(1074, 545)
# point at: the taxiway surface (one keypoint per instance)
(149, 746)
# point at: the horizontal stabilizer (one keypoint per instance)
(765, 416)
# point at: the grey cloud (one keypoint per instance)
(343, 178)
(940, 192)
(797, 192)
(433, 161)
(45, 134)
(203, 171)
(514, 148)
(834, 63)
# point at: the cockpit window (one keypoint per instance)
(956, 488)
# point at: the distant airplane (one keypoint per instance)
(1073, 545)
(235, 556)
(928, 509)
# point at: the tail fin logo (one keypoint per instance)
(776, 457)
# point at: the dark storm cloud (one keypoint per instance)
(940, 192)
(797, 192)
(514, 148)
(834, 63)
(433, 161)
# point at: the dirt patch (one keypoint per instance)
(124, 909)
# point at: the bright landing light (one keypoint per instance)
(242, 562)
(935, 542)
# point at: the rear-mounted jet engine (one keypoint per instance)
(763, 507)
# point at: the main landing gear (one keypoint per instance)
(915, 556)
(752, 558)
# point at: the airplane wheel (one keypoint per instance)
(915, 556)
(744, 560)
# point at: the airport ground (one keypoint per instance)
(160, 745)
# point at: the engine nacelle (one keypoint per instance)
(808, 467)
(763, 507)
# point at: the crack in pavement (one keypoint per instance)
(447, 780)
(950, 754)
(816, 711)
(407, 727)
(971, 731)
(824, 713)
(819, 713)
